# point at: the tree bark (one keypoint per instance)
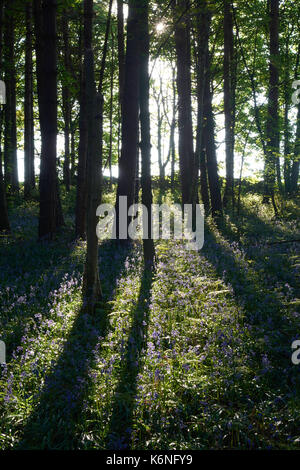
(172, 149)
(81, 193)
(209, 144)
(47, 83)
(296, 160)
(66, 102)
(202, 28)
(29, 173)
(4, 221)
(229, 98)
(91, 282)
(185, 127)
(272, 128)
(10, 141)
(130, 112)
(121, 50)
(148, 244)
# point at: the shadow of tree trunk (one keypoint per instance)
(120, 431)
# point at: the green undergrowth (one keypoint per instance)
(196, 355)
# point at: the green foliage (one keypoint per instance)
(197, 357)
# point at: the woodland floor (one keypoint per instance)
(198, 356)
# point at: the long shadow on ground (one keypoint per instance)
(119, 434)
(54, 423)
(27, 265)
(261, 304)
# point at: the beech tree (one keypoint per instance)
(46, 40)
(29, 172)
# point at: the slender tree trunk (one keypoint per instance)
(10, 142)
(66, 102)
(202, 28)
(272, 130)
(4, 222)
(47, 83)
(209, 143)
(111, 108)
(29, 176)
(130, 112)
(159, 143)
(296, 161)
(185, 128)
(148, 245)
(137, 177)
(121, 49)
(81, 194)
(91, 281)
(229, 91)
(286, 122)
(72, 155)
(172, 150)
(294, 174)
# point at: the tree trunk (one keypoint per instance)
(202, 27)
(209, 144)
(4, 222)
(29, 175)
(91, 282)
(272, 128)
(94, 106)
(72, 155)
(121, 51)
(229, 92)
(130, 112)
(66, 102)
(185, 127)
(10, 141)
(172, 150)
(148, 245)
(81, 193)
(47, 84)
(296, 161)
(111, 108)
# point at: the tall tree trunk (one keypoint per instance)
(202, 28)
(10, 143)
(294, 175)
(209, 144)
(172, 150)
(185, 127)
(229, 92)
(111, 108)
(72, 154)
(4, 222)
(121, 49)
(148, 244)
(66, 102)
(286, 122)
(159, 142)
(272, 129)
(47, 84)
(91, 281)
(130, 112)
(81, 193)
(29, 174)
(296, 160)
